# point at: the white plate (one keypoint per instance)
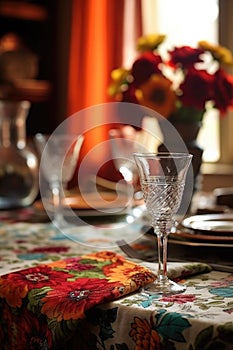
(211, 224)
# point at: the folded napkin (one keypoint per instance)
(50, 299)
(175, 270)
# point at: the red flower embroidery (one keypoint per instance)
(71, 300)
(15, 286)
(54, 249)
(179, 298)
(25, 330)
(72, 264)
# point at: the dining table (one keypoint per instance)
(78, 289)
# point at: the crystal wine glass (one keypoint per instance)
(162, 178)
(59, 155)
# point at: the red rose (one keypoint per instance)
(146, 65)
(185, 56)
(197, 88)
(223, 91)
(129, 94)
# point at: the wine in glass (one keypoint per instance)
(162, 178)
(59, 155)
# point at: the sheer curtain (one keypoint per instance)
(101, 36)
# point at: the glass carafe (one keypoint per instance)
(18, 163)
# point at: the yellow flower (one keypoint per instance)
(119, 74)
(123, 272)
(119, 77)
(156, 93)
(144, 335)
(220, 53)
(150, 42)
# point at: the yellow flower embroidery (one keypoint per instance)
(144, 336)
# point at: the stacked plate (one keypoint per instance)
(99, 204)
(209, 229)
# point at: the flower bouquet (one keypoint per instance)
(181, 84)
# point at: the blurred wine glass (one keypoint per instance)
(123, 144)
(58, 159)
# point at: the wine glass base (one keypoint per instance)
(168, 288)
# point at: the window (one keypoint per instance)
(185, 23)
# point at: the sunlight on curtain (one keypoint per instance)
(97, 45)
(129, 51)
(185, 23)
(132, 29)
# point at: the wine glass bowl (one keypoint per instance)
(124, 143)
(162, 178)
(123, 146)
(58, 159)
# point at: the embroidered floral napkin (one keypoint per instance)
(50, 295)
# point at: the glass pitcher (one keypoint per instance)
(18, 163)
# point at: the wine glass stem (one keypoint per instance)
(162, 258)
(57, 203)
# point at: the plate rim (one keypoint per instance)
(187, 223)
(200, 244)
(204, 238)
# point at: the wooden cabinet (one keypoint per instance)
(44, 28)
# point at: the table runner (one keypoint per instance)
(24, 245)
(52, 281)
(199, 319)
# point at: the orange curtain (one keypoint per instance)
(96, 46)
(95, 49)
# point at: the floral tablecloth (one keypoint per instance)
(58, 294)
